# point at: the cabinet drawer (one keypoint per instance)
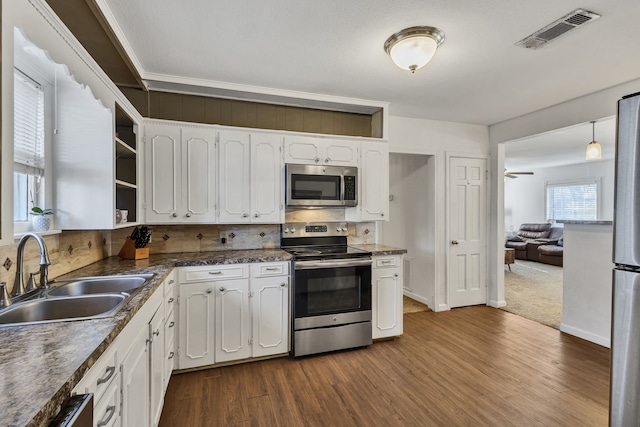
(387, 261)
(106, 412)
(101, 375)
(270, 269)
(213, 272)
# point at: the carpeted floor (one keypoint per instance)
(534, 290)
(412, 306)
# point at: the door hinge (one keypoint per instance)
(486, 174)
(251, 341)
(250, 294)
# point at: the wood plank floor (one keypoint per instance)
(474, 366)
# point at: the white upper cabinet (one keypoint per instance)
(373, 202)
(317, 151)
(180, 174)
(250, 177)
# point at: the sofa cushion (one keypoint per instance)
(551, 250)
(555, 233)
(560, 241)
(534, 231)
(519, 246)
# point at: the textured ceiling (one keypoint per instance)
(334, 47)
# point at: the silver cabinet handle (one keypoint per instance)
(170, 300)
(256, 215)
(386, 261)
(395, 275)
(222, 289)
(327, 160)
(175, 215)
(156, 332)
(215, 272)
(111, 410)
(209, 291)
(317, 160)
(172, 324)
(188, 215)
(109, 373)
(245, 215)
(171, 282)
(454, 242)
(282, 285)
(170, 355)
(382, 214)
(272, 269)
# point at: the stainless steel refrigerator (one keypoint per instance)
(624, 400)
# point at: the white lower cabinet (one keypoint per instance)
(386, 280)
(196, 308)
(130, 378)
(240, 312)
(135, 382)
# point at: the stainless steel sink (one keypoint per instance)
(64, 308)
(99, 285)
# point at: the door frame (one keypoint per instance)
(447, 221)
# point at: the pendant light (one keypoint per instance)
(594, 149)
(413, 48)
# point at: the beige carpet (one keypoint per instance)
(534, 290)
(412, 306)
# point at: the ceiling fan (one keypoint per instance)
(512, 175)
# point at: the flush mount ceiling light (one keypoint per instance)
(594, 150)
(413, 48)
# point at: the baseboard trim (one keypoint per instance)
(417, 297)
(442, 307)
(581, 333)
(497, 304)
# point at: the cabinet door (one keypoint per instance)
(340, 153)
(303, 150)
(198, 176)
(196, 337)
(270, 315)
(157, 366)
(387, 302)
(135, 383)
(266, 179)
(234, 175)
(233, 320)
(163, 173)
(374, 181)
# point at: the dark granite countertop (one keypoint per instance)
(583, 222)
(42, 363)
(378, 249)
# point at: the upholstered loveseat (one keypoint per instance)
(537, 242)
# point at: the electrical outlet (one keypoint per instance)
(223, 237)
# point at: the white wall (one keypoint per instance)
(436, 139)
(412, 220)
(587, 279)
(524, 197)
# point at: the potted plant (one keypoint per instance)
(41, 218)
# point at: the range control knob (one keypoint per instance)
(338, 229)
(293, 229)
(344, 228)
(286, 230)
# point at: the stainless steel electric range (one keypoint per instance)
(331, 292)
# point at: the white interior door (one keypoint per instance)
(467, 259)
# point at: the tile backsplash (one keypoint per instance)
(72, 250)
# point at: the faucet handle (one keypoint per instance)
(31, 284)
(5, 300)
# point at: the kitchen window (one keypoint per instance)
(573, 200)
(29, 172)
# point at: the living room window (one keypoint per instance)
(573, 200)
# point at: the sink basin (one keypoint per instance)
(99, 285)
(58, 309)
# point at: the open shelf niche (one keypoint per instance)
(126, 167)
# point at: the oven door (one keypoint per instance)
(330, 287)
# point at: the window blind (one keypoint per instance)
(572, 201)
(28, 125)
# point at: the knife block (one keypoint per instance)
(129, 250)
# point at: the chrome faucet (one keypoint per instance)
(18, 286)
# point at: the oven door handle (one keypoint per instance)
(307, 265)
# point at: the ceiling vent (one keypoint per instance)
(544, 35)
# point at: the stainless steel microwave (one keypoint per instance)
(321, 186)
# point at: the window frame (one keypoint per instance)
(573, 182)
